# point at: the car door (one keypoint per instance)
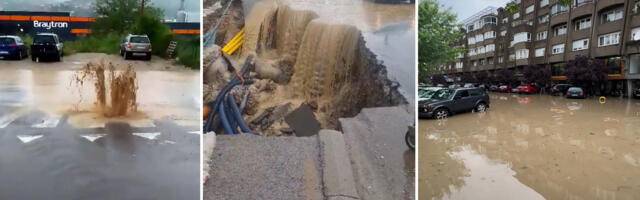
(460, 100)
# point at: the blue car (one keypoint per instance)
(12, 47)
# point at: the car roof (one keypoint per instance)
(131, 35)
(9, 36)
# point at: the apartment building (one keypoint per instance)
(548, 34)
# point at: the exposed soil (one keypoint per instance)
(122, 88)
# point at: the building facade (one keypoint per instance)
(546, 34)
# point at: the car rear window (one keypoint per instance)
(139, 40)
(475, 92)
(575, 89)
(44, 39)
(6, 40)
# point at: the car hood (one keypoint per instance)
(431, 101)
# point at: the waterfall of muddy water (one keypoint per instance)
(122, 86)
(319, 62)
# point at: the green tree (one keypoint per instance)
(437, 31)
(566, 3)
(120, 16)
(511, 7)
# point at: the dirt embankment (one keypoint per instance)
(300, 60)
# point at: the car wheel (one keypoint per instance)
(481, 107)
(19, 55)
(126, 55)
(148, 57)
(441, 113)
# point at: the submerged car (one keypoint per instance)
(427, 92)
(526, 88)
(46, 45)
(636, 93)
(575, 92)
(448, 101)
(504, 88)
(12, 47)
(136, 45)
(560, 89)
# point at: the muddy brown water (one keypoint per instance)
(533, 147)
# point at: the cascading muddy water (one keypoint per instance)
(324, 64)
(122, 88)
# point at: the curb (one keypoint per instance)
(337, 172)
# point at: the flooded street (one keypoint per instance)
(54, 140)
(533, 147)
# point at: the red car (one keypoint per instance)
(526, 88)
(504, 88)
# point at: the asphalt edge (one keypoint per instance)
(337, 173)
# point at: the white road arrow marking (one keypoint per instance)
(93, 137)
(28, 138)
(151, 136)
(7, 119)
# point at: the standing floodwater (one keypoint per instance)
(533, 147)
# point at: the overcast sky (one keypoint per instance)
(466, 8)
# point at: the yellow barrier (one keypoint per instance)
(234, 44)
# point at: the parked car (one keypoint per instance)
(46, 45)
(448, 101)
(469, 85)
(514, 90)
(427, 92)
(560, 89)
(575, 92)
(504, 88)
(636, 93)
(136, 45)
(493, 88)
(12, 47)
(526, 88)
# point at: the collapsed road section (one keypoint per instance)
(279, 70)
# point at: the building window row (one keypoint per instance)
(544, 3)
(503, 33)
(558, 9)
(560, 30)
(609, 39)
(521, 37)
(529, 9)
(490, 34)
(540, 52)
(543, 19)
(541, 35)
(522, 54)
(635, 33)
(579, 45)
(557, 49)
(578, 3)
(583, 23)
(612, 15)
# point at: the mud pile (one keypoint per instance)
(122, 88)
(326, 66)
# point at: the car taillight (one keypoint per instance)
(13, 45)
(149, 47)
(129, 45)
(553, 89)
(581, 92)
(567, 92)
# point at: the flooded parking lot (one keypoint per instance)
(533, 147)
(54, 145)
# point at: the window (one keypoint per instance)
(544, 3)
(539, 52)
(529, 9)
(560, 30)
(505, 20)
(500, 59)
(543, 19)
(578, 3)
(490, 47)
(557, 69)
(583, 23)
(459, 65)
(541, 35)
(521, 37)
(489, 34)
(503, 33)
(636, 6)
(609, 39)
(481, 49)
(475, 63)
(481, 61)
(470, 28)
(580, 44)
(635, 33)
(558, 9)
(522, 54)
(557, 49)
(472, 40)
(489, 20)
(614, 64)
(479, 38)
(516, 15)
(490, 60)
(472, 52)
(611, 15)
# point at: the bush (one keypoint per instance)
(109, 44)
(159, 33)
(188, 51)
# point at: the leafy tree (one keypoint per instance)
(437, 31)
(438, 79)
(482, 77)
(586, 72)
(119, 16)
(468, 78)
(566, 3)
(505, 76)
(150, 24)
(536, 75)
(511, 8)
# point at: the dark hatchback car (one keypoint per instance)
(448, 101)
(575, 92)
(560, 89)
(12, 47)
(45, 46)
(636, 93)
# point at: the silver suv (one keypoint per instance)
(136, 45)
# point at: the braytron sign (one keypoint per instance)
(66, 26)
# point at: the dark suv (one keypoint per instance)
(447, 101)
(46, 45)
